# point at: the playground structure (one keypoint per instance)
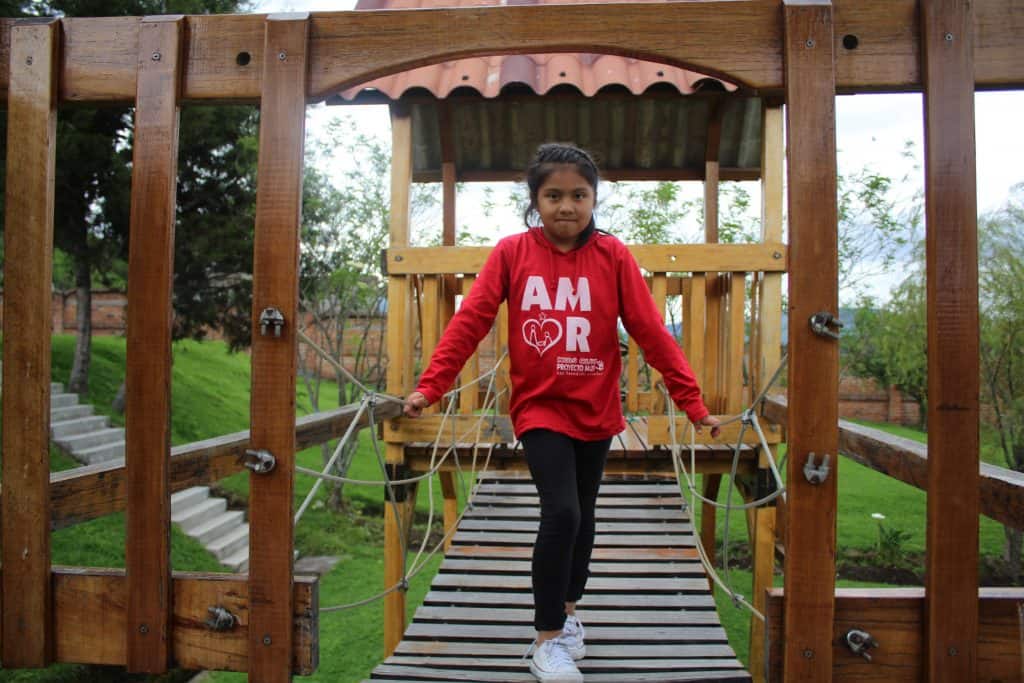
(798, 53)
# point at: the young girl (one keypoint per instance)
(567, 285)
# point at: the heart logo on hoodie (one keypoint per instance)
(542, 333)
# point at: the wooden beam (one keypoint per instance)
(91, 608)
(658, 433)
(148, 373)
(951, 248)
(711, 171)
(276, 285)
(895, 617)
(1001, 491)
(448, 172)
(814, 360)
(741, 41)
(672, 258)
(85, 493)
(513, 175)
(769, 314)
(25, 628)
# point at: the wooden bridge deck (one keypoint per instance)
(648, 613)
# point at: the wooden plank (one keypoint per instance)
(769, 315)
(471, 370)
(596, 651)
(739, 40)
(736, 334)
(1001, 490)
(659, 293)
(763, 561)
(614, 527)
(275, 284)
(658, 433)
(605, 584)
(92, 491)
(591, 666)
(470, 428)
(502, 380)
(398, 515)
(625, 600)
(632, 376)
(493, 565)
(714, 363)
(896, 618)
(693, 340)
(951, 253)
(451, 505)
(596, 634)
(492, 615)
(91, 605)
(708, 513)
(25, 627)
(813, 365)
(148, 372)
(660, 258)
(429, 319)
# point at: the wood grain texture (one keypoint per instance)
(275, 284)
(91, 607)
(769, 312)
(25, 627)
(148, 373)
(763, 560)
(813, 365)
(896, 618)
(951, 254)
(735, 337)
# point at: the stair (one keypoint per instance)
(90, 439)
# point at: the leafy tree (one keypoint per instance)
(1001, 285)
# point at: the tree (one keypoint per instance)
(1001, 285)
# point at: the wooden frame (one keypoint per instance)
(946, 49)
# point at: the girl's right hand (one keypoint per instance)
(414, 404)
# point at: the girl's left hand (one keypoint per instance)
(709, 421)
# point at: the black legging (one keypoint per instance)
(567, 473)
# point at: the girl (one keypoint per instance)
(567, 284)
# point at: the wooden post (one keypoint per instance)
(708, 518)
(714, 375)
(951, 246)
(148, 375)
(451, 504)
(274, 353)
(27, 630)
(398, 517)
(767, 356)
(399, 372)
(813, 366)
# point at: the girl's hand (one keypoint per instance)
(414, 404)
(710, 421)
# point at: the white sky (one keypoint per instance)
(871, 130)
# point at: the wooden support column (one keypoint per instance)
(26, 635)
(148, 375)
(451, 504)
(951, 246)
(276, 285)
(399, 372)
(714, 375)
(814, 360)
(708, 518)
(398, 515)
(448, 203)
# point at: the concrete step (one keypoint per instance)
(198, 514)
(230, 543)
(188, 497)
(63, 400)
(98, 454)
(77, 426)
(70, 412)
(239, 561)
(218, 526)
(100, 437)
(56, 388)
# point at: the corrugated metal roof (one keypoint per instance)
(641, 120)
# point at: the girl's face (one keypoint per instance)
(565, 202)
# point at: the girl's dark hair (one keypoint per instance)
(548, 158)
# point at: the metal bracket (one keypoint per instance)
(220, 619)
(822, 322)
(860, 642)
(271, 319)
(260, 462)
(816, 474)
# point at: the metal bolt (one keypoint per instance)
(808, 653)
(28, 60)
(810, 42)
(156, 57)
(282, 55)
(953, 652)
(266, 639)
(949, 37)
(399, 258)
(776, 255)
(144, 629)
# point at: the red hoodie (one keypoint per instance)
(563, 334)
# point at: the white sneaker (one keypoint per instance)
(552, 663)
(572, 634)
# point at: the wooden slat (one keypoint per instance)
(739, 39)
(734, 343)
(597, 651)
(25, 627)
(489, 565)
(468, 428)
(708, 513)
(658, 433)
(763, 561)
(623, 540)
(596, 634)
(502, 379)
(896, 618)
(1001, 490)
(471, 370)
(769, 318)
(813, 365)
(659, 293)
(275, 284)
(91, 606)
(492, 615)
(148, 373)
(693, 341)
(714, 363)
(951, 248)
(632, 376)
(660, 258)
